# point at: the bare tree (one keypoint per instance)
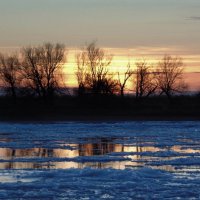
(170, 76)
(9, 73)
(81, 72)
(92, 70)
(123, 81)
(42, 68)
(145, 82)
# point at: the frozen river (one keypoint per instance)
(115, 160)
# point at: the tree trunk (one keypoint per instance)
(14, 96)
(122, 92)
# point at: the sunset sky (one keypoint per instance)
(128, 29)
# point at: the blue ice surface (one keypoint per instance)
(164, 174)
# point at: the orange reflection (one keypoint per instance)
(102, 146)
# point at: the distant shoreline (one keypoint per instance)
(96, 119)
(101, 109)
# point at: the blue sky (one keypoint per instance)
(114, 23)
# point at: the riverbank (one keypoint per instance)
(100, 109)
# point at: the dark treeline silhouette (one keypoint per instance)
(93, 72)
(33, 84)
(41, 69)
(36, 71)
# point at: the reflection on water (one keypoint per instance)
(94, 147)
(184, 150)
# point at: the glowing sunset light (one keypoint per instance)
(123, 56)
(130, 30)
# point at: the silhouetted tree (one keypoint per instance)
(170, 76)
(123, 81)
(9, 73)
(42, 68)
(81, 72)
(145, 82)
(92, 71)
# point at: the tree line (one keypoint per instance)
(38, 71)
